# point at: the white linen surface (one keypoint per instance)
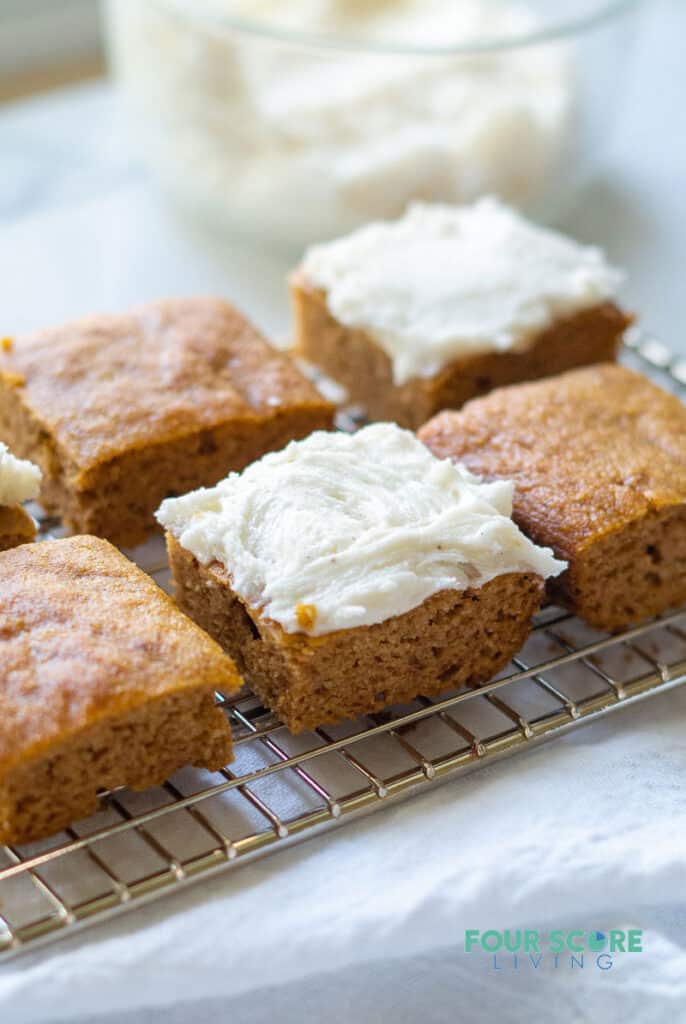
(581, 833)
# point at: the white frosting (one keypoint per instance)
(19, 478)
(301, 144)
(357, 527)
(444, 282)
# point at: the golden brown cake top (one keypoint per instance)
(589, 451)
(108, 384)
(86, 635)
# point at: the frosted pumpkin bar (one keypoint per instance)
(103, 683)
(122, 411)
(424, 313)
(19, 482)
(598, 460)
(349, 572)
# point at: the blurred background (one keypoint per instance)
(44, 44)
(153, 147)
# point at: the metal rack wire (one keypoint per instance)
(282, 788)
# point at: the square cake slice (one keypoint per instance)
(447, 303)
(103, 683)
(122, 411)
(350, 572)
(19, 482)
(598, 460)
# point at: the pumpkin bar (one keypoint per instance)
(371, 572)
(16, 527)
(104, 683)
(19, 482)
(598, 459)
(447, 303)
(122, 411)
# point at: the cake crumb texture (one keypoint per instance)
(345, 530)
(444, 282)
(122, 411)
(454, 638)
(352, 357)
(598, 458)
(104, 683)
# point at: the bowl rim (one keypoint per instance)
(565, 29)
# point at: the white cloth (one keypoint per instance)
(587, 832)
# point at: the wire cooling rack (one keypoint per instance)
(281, 789)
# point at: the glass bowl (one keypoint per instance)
(297, 122)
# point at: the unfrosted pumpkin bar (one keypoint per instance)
(350, 572)
(19, 482)
(447, 303)
(103, 683)
(598, 459)
(122, 411)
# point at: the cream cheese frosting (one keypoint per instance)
(315, 142)
(450, 281)
(19, 478)
(355, 528)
